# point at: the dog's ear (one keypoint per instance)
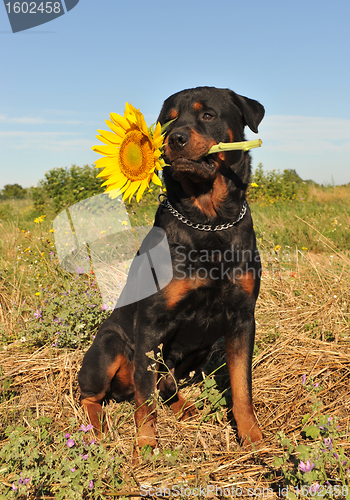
(252, 111)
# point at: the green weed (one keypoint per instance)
(317, 464)
(70, 466)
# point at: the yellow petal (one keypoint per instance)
(106, 161)
(156, 180)
(131, 190)
(157, 131)
(142, 125)
(144, 185)
(119, 120)
(109, 136)
(114, 185)
(116, 129)
(108, 172)
(113, 192)
(105, 150)
(140, 192)
(125, 187)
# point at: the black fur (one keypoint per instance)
(212, 293)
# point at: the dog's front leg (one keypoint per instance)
(239, 350)
(145, 401)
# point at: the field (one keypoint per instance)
(301, 370)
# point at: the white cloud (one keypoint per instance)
(304, 134)
(24, 134)
(317, 148)
(48, 141)
(32, 120)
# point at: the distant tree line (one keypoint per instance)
(62, 187)
(11, 191)
(273, 185)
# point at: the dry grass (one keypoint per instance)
(327, 195)
(303, 322)
(303, 318)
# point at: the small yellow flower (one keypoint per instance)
(39, 219)
(124, 223)
(304, 248)
(277, 247)
(132, 153)
(254, 185)
(37, 294)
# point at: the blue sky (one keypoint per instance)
(59, 81)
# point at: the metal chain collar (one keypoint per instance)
(201, 227)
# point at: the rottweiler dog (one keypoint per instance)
(155, 341)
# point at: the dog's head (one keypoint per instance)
(202, 117)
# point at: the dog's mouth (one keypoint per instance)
(185, 153)
(204, 168)
(198, 170)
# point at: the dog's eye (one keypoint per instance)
(207, 117)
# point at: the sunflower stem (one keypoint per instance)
(230, 146)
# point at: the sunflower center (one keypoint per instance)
(135, 156)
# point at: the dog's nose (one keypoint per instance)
(178, 140)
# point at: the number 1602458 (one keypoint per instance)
(33, 7)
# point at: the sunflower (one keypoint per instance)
(132, 154)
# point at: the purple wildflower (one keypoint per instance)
(104, 307)
(93, 442)
(306, 467)
(316, 385)
(314, 488)
(37, 314)
(86, 428)
(67, 436)
(72, 469)
(84, 457)
(70, 443)
(303, 379)
(336, 455)
(14, 487)
(79, 270)
(91, 485)
(328, 443)
(329, 420)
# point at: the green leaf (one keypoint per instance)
(278, 461)
(304, 451)
(166, 125)
(312, 431)
(285, 441)
(305, 418)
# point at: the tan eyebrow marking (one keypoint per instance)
(197, 106)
